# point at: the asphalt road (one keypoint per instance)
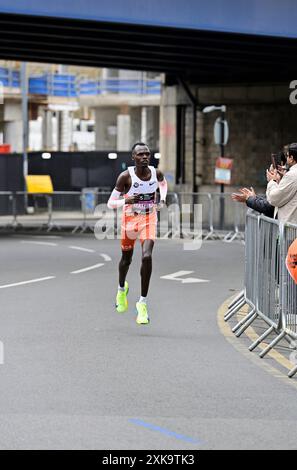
(77, 375)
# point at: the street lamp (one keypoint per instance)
(222, 108)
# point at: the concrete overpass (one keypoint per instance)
(202, 42)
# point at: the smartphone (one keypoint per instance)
(273, 157)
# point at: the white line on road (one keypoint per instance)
(105, 257)
(27, 282)
(39, 243)
(79, 248)
(47, 236)
(187, 280)
(87, 269)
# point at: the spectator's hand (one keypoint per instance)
(238, 197)
(272, 175)
(248, 192)
(281, 170)
(243, 195)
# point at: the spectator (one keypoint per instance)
(282, 191)
(260, 203)
(257, 203)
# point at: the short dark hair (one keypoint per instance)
(280, 158)
(292, 150)
(138, 143)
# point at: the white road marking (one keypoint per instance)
(27, 282)
(46, 236)
(87, 269)
(79, 248)
(105, 257)
(39, 243)
(189, 280)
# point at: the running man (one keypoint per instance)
(138, 185)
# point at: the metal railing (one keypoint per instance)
(269, 289)
(70, 85)
(62, 208)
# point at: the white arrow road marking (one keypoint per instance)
(175, 277)
(189, 280)
(27, 282)
(39, 243)
(88, 268)
(82, 249)
(105, 257)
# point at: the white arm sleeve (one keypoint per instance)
(163, 189)
(114, 202)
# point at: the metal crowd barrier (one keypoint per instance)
(269, 289)
(228, 217)
(186, 203)
(222, 218)
(76, 209)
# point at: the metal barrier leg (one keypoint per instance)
(272, 344)
(236, 300)
(209, 235)
(261, 338)
(234, 310)
(246, 325)
(292, 372)
(242, 322)
(229, 237)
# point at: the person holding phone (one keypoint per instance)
(256, 202)
(282, 191)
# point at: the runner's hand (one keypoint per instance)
(132, 199)
(160, 205)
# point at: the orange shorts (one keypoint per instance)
(142, 226)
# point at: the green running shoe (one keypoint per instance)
(121, 300)
(142, 315)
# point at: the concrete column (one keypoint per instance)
(144, 124)
(123, 132)
(106, 128)
(13, 135)
(150, 126)
(47, 129)
(13, 125)
(135, 125)
(64, 130)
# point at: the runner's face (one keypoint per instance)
(141, 155)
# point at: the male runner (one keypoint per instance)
(138, 185)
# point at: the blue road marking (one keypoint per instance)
(153, 427)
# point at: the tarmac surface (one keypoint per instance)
(77, 375)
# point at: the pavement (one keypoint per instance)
(77, 375)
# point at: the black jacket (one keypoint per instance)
(260, 204)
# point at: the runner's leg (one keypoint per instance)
(124, 264)
(146, 265)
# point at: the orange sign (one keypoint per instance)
(223, 170)
(291, 260)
